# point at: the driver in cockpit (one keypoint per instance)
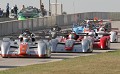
(27, 34)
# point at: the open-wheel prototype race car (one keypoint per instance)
(26, 46)
(72, 43)
(78, 28)
(101, 40)
(105, 25)
(29, 12)
(113, 33)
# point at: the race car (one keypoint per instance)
(101, 40)
(95, 24)
(29, 12)
(78, 28)
(72, 43)
(24, 47)
(105, 25)
(113, 33)
(84, 27)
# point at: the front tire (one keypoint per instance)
(48, 53)
(107, 44)
(116, 40)
(90, 50)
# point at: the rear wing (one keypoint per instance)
(83, 34)
(79, 34)
(104, 34)
(104, 20)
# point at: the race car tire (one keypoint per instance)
(4, 47)
(107, 44)
(48, 53)
(90, 50)
(116, 40)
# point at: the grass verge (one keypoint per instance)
(105, 63)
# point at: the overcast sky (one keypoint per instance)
(70, 6)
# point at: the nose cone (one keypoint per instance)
(23, 49)
(69, 48)
(69, 45)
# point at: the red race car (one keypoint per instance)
(101, 40)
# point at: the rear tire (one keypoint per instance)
(107, 44)
(90, 50)
(116, 40)
(48, 51)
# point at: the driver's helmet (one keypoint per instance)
(100, 34)
(88, 21)
(27, 32)
(54, 29)
(101, 29)
(71, 36)
(24, 34)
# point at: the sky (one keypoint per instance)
(70, 6)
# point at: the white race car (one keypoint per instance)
(72, 43)
(24, 48)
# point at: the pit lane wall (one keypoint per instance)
(16, 26)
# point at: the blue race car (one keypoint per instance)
(78, 28)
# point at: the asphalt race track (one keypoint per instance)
(6, 63)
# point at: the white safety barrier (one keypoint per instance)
(17, 26)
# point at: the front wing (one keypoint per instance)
(76, 48)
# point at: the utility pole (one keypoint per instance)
(49, 8)
(61, 8)
(40, 4)
(56, 7)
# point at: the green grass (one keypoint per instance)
(105, 63)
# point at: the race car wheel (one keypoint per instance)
(48, 53)
(116, 40)
(107, 44)
(90, 50)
